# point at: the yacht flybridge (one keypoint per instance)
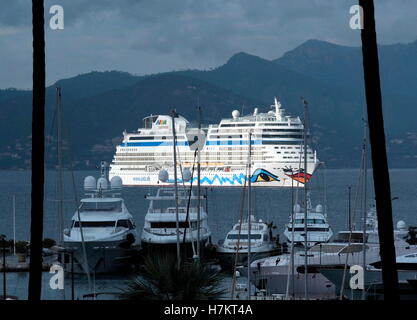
(262, 242)
(102, 230)
(318, 230)
(160, 228)
(277, 146)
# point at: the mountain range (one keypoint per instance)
(98, 106)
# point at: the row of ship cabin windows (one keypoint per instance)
(228, 125)
(295, 157)
(264, 136)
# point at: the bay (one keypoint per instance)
(328, 186)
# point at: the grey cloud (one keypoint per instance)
(147, 36)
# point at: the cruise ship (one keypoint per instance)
(277, 153)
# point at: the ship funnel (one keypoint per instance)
(277, 105)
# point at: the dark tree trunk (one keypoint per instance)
(38, 147)
(379, 153)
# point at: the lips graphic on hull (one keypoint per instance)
(297, 175)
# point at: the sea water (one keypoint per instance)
(329, 187)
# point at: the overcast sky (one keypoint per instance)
(149, 36)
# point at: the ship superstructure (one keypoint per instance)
(277, 156)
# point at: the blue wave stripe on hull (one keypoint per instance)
(239, 179)
(222, 180)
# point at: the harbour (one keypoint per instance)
(217, 194)
(270, 205)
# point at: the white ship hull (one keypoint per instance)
(219, 178)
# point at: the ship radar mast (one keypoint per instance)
(279, 111)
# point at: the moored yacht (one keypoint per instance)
(373, 287)
(318, 229)
(160, 228)
(273, 274)
(102, 230)
(262, 243)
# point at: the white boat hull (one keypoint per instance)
(102, 256)
(227, 257)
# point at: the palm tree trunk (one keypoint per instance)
(379, 153)
(38, 147)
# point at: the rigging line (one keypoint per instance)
(48, 143)
(241, 209)
(60, 181)
(76, 198)
(294, 201)
(364, 205)
(86, 266)
(325, 190)
(351, 229)
(188, 207)
(183, 185)
(298, 182)
(350, 233)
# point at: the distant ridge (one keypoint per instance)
(342, 65)
(98, 106)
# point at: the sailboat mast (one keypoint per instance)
(290, 270)
(60, 187)
(349, 210)
(198, 188)
(364, 204)
(249, 208)
(14, 224)
(305, 202)
(177, 226)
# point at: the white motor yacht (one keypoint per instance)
(406, 266)
(262, 243)
(318, 230)
(279, 275)
(160, 228)
(102, 230)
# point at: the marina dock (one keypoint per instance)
(13, 264)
